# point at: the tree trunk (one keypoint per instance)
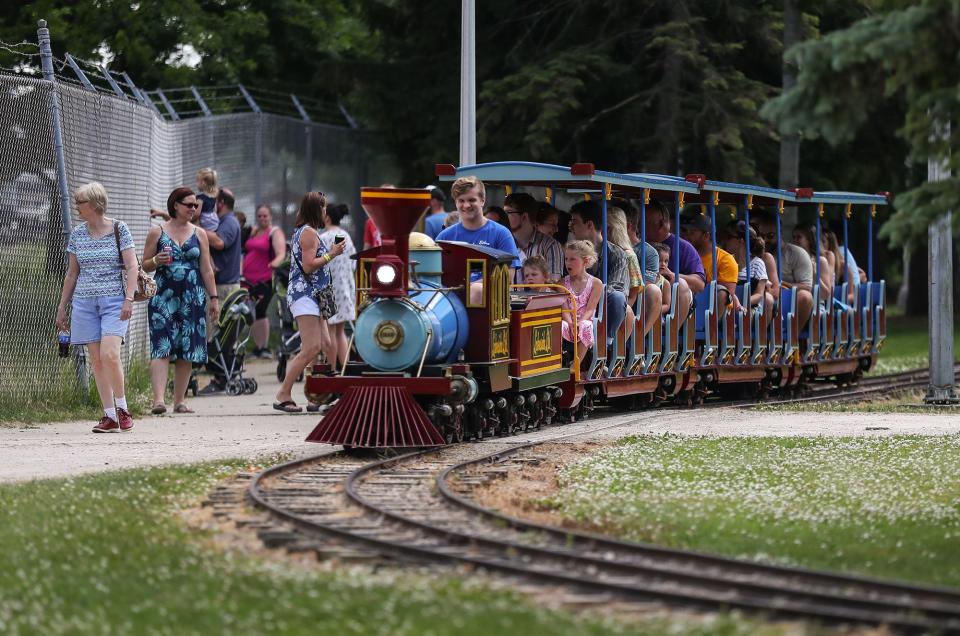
(669, 106)
(790, 143)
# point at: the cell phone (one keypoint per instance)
(339, 238)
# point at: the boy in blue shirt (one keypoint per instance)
(474, 228)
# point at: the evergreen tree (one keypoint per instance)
(905, 59)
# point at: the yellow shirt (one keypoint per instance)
(728, 266)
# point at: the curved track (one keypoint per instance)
(418, 507)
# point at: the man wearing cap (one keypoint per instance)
(696, 230)
(433, 224)
(521, 209)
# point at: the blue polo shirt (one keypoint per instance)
(491, 234)
(227, 260)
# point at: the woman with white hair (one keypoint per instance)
(100, 282)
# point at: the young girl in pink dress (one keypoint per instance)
(579, 255)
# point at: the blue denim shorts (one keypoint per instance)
(94, 318)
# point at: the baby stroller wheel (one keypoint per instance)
(234, 387)
(249, 386)
(193, 386)
(281, 367)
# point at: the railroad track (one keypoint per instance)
(418, 507)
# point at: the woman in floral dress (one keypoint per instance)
(309, 291)
(180, 255)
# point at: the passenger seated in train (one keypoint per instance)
(804, 236)
(734, 241)
(665, 277)
(649, 262)
(476, 229)
(548, 220)
(845, 269)
(535, 271)
(795, 270)
(697, 229)
(586, 224)
(617, 233)
(579, 255)
(692, 279)
(521, 209)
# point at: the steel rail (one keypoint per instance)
(831, 604)
(910, 608)
(936, 599)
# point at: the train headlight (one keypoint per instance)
(386, 274)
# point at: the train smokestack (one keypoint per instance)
(395, 212)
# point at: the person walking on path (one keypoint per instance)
(309, 291)
(266, 249)
(179, 253)
(343, 279)
(225, 251)
(101, 290)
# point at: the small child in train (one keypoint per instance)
(666, 276)
(535, 271)
(578, 256)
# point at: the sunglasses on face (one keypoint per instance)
(192, 206)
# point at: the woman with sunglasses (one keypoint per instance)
(179, 253)
(100, 281)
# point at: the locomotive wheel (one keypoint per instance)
(453, 429)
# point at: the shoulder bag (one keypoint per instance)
(146, 286)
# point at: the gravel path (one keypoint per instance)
(222, 427)
(246, 426)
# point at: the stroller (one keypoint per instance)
(289, 335)
(226, 350)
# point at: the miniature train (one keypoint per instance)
(431, 364)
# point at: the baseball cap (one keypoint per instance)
(696, 222)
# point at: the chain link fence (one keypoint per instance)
(140, 153)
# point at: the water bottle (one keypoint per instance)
(63, 337)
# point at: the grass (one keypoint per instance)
(907, 345)
(62, 399)
(908, 401)
(107, 554)
(882, 506)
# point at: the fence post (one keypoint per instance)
(308, 131)
(942, 387)
(257, 146)
(46, 63)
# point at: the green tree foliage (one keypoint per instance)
(849, 78)
(295, 44)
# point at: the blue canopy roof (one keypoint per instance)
(562, 177)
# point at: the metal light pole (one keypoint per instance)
(940, 265)
(468, 84)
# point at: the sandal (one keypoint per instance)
(159, 409)
(287, 406)
(182, 408)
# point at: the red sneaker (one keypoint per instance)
(126, 422)
(106, 425)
